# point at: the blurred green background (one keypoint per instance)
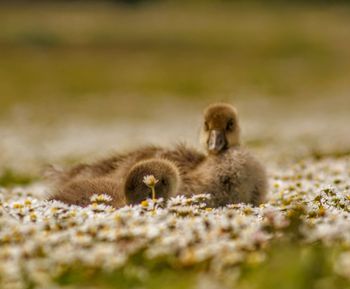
(80, 78)
(102, 59)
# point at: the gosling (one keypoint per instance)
(230, 174)
(123, 190)
(182, 156)
(167, 183)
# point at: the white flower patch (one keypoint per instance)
(100, 198)
(40, 238)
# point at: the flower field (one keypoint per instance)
(304, 227)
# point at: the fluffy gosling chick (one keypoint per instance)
(229, 173)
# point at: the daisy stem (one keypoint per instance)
(153, 193)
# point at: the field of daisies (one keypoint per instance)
(299, 238)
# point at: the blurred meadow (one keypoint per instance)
(74, 57)
(134, 71)
(79, 80)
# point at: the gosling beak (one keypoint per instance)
(217, 141)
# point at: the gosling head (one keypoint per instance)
(220, 129)
(167, 175)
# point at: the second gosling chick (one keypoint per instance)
(185, 158)
(129, 189)
(166, 186)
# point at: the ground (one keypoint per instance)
(81, 82)
(301, 234)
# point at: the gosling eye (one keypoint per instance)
(206, 126)
(229, 125)
(163, 181)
